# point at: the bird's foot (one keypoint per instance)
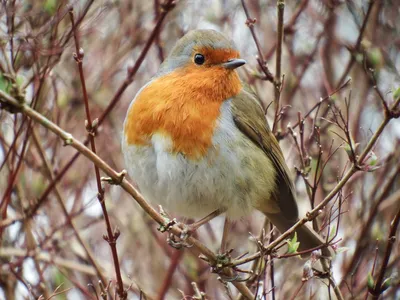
(168, 221)
(177, 244)
(187, 230)
(223, 260)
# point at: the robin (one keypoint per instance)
(197, 142)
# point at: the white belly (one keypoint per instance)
(229, 177)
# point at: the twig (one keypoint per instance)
(271, 271)
(327, 268)
(71, 141)
(46, 257)
(59, 198)
(385, 190)
(112, 236)
(174, 262)
(279, 40)
(167, 7)
(379, 288)
(318, 104)
(261, 61)
(358, 43)
(314, 212)
(278, 81)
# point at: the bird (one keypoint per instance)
(196, 140)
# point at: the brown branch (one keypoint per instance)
(318, 104)
(120, 180)
(385, 190)
(314, 212)
(167, 6)
(70, 222)
(379, 288)
(278, 81)
(131, 73)
(112, 236)
(174, 262)
(46, 257)
(279, 40)
(358, 43)
(261, 61)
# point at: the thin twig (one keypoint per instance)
(278, 81)
(260, 59)
(120, 180)
(314, 212)
(358, 43)
(50, 174)
(129, 78)
(112, 236)
(378, 287)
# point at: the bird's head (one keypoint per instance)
(203, 50)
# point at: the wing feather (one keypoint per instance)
(249, 117)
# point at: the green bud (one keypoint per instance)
(375, 58)
(386, 284)
(370, 282)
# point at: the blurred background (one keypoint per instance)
(52, 231)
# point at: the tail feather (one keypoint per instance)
(307, 237)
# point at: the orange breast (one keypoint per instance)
(183, 105)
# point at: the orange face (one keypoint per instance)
(215, 57)
(184, 105)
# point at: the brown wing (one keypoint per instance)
(249, 118)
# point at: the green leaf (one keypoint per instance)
(293, 244)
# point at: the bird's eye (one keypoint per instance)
(199, 59)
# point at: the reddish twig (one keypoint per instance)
(379, 286)
(112, 235)
(131, 73)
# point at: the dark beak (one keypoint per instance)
(234, 63)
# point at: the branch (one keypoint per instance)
(112, 236)
(50, 175)
(166, 7)
(358, 43)
(314, 212)
(379, 286)
(279, 40)
(278, 76)
(260, 59)
(116, 177)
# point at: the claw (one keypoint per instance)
(223, 260)
(171, 240)
(167, 225)
(187, 231)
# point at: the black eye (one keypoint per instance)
(199, 59)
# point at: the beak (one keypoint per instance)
(234, 63)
